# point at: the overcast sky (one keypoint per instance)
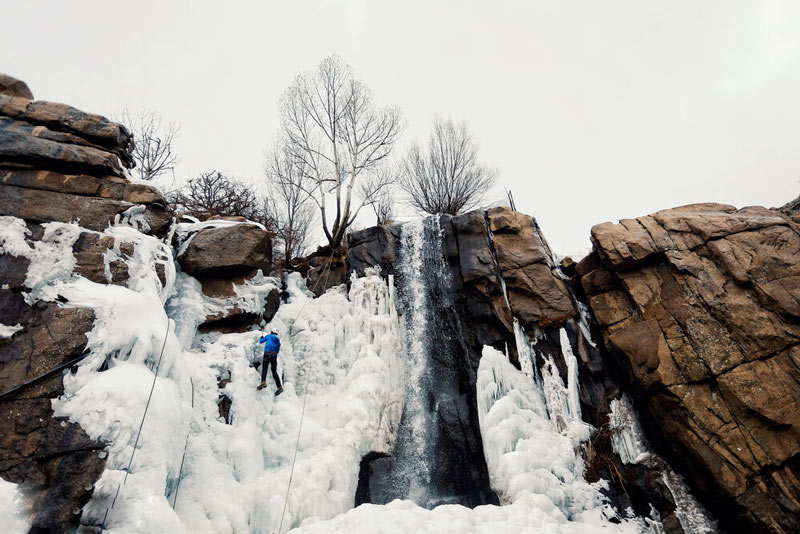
(592, 111)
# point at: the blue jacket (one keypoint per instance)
(273, 344)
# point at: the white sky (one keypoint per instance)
(592, 111)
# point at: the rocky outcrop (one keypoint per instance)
(58, 163)
(536, 296)
(229, 250)
(226, 257)
(701, 305)
(13, 87)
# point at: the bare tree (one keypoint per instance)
(377, 190)
(447, 177)
(153, 150)
(331, 124)
(212, 193)
(288, 203)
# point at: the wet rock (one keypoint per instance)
(701, 304)
(374, 247)
(272, 305)
(479, 271)
(227, 251)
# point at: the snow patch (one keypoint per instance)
(6, 331)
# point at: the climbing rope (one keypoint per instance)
(305, 396)
(186, 444)
(141, 425)
(51, 371)
(185, 447)
(44, 375)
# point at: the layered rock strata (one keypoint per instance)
(58, 164)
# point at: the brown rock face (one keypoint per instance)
(13, 87)
(703, 305)
(537, 297)
(93, 213)
(227, 251)
(67, 125)
(53, 459)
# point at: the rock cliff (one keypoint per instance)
(58, 164)
(693, 312)
(701, 304)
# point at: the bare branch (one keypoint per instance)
(153, 149)
(333, 132)
(447, 178)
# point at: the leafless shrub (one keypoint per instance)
(447, 177)
(153, 151)
(212, 193)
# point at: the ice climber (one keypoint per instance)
(272, 346)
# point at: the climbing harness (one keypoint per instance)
(139, 433)
(305, 396)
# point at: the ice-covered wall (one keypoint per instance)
(630, 443)
(339, 357)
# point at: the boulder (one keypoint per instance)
(225, 251)
(701, 304)
(13, 87)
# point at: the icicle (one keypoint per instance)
(573, 394)
(629, 442)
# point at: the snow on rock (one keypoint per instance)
(10, 521)
(6, 331)
(629, 442)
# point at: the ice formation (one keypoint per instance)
(629, 442)
(349, 367)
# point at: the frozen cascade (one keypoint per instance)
(342, 348)
(525, 353)
(629, 442)
(534, 458)
(563, 404)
